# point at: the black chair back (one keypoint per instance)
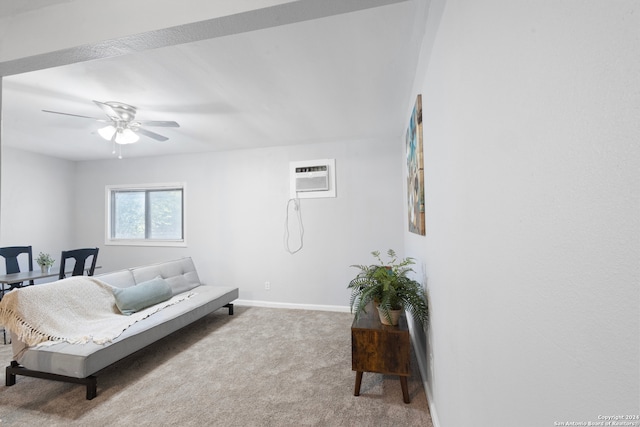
(10, 254)
(80, 256)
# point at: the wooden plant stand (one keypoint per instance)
(379, 348)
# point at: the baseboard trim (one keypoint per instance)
(432, 410)
(270, 304)
(422, 367)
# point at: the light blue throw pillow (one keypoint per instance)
(143, 295)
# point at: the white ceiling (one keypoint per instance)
(15, 7)
(336, 78)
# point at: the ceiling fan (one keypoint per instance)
(122, 126)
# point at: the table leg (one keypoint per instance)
(405, 389)
(356, 392)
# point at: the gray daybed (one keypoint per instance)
(78, 363)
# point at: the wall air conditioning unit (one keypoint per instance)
(312, 178)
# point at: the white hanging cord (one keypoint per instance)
(296, 207)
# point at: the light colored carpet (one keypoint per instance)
(259, 367)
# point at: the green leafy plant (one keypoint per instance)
(387, 284)
(45, 260)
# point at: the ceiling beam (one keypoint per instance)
(283, 14)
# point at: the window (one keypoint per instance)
(151, 215)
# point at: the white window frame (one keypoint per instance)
(144, 242)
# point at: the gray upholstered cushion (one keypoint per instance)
(118, 279)
(180, 274)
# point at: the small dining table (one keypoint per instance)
(25, 276)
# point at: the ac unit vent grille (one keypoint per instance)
(308, 182)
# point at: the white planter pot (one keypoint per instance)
(395, 316)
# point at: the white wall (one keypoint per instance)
(37, 204)
(532, 161)
(236, 209)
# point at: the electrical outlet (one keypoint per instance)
(267, 286)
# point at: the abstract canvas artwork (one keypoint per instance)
(415, 171)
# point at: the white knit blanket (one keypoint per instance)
(78, 309)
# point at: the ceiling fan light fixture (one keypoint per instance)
(107, 132)
(122, 136)
(126, 136)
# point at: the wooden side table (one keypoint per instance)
(379, 348)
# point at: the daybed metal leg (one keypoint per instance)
(230, 307)
(10, 376)
(92, 387)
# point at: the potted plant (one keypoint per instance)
(387, 285)
(45, 262)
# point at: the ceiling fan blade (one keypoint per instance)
(150, 134)
(109, 111)
(75, 115)
(160, 123)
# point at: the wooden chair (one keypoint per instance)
(10, 254)
(80, 256)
